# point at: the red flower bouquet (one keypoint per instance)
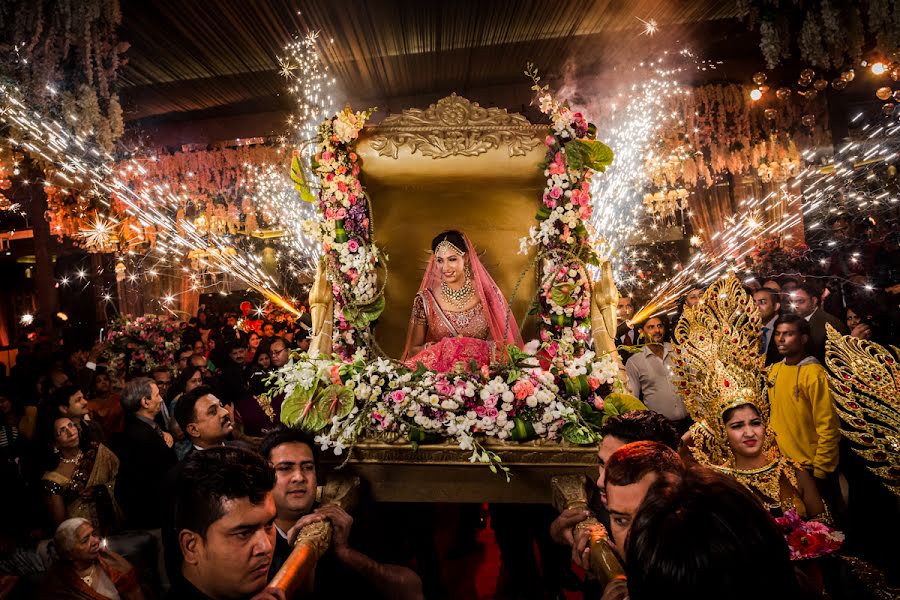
(808, 539)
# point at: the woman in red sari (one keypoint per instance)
(459, 314)
(86, 570)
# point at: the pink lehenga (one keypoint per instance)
(454, 339)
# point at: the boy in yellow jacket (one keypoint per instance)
(803, 416)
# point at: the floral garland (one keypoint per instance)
(345, 230)
(526, 398)
(142, 344)
(721, 131)
(561, 237)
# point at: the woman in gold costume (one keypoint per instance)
(722, 377)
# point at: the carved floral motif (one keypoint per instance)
(455, 126)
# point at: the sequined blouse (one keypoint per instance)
(441, 323)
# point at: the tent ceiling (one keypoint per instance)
(191, 58)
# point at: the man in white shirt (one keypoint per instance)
(650, 376)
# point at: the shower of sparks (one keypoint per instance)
(81, 164)
(279, 202)
(650, 26)
(99, 234)
(846, 182)
(638, 116)
(309, 82)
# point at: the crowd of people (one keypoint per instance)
(180, 482)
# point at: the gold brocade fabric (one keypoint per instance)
(775, 484)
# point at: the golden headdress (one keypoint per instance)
(865, 384)
(719, 367)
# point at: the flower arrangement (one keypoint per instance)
(808, 539)
(345, 231)
(556, 388)
(530, 396)
(561, 237)
(142, 344)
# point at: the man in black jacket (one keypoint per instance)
(769, 304)
(145, 454)
(806, 302)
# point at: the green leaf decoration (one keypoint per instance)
(560, 296)
(336, 401)
(588, 154)
(578, 434)
(618, 404)
(361, 316)
(524, 430)
(298, 410)
(306, 193)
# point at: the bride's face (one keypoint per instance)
(452, 266)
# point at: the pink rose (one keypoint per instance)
(326, 156)
(522, 389)
(398, 396)
(352, 245)
(480, 410)
(341, 213)
(491, 413)
(555, 193)
(549, 140)
(443, 388)
(490, 402)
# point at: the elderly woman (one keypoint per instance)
(86, 570)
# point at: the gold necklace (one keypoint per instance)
(89, 578)
(765, 480)
(70, 461)
(458, 298)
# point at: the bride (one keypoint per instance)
(459, 314)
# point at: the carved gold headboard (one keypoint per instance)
(454, 165)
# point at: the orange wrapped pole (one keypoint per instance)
(313, 540)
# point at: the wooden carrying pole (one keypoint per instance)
(313, 540)
(570, 492)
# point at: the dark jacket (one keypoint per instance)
(816, 344)
(144, 461)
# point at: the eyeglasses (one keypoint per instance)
(274, 351)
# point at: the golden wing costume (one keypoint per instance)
(865, 384)
(719, 367)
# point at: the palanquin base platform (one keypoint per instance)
(395, 472)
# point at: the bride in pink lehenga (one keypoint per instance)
(459, 314)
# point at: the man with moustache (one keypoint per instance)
(223, 532)
(344, 568)
(650, 376)
(203, 418)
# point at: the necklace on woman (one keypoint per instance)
(457, 298)
(70, 461)
(89, 578)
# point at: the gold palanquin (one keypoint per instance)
(454, 165)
